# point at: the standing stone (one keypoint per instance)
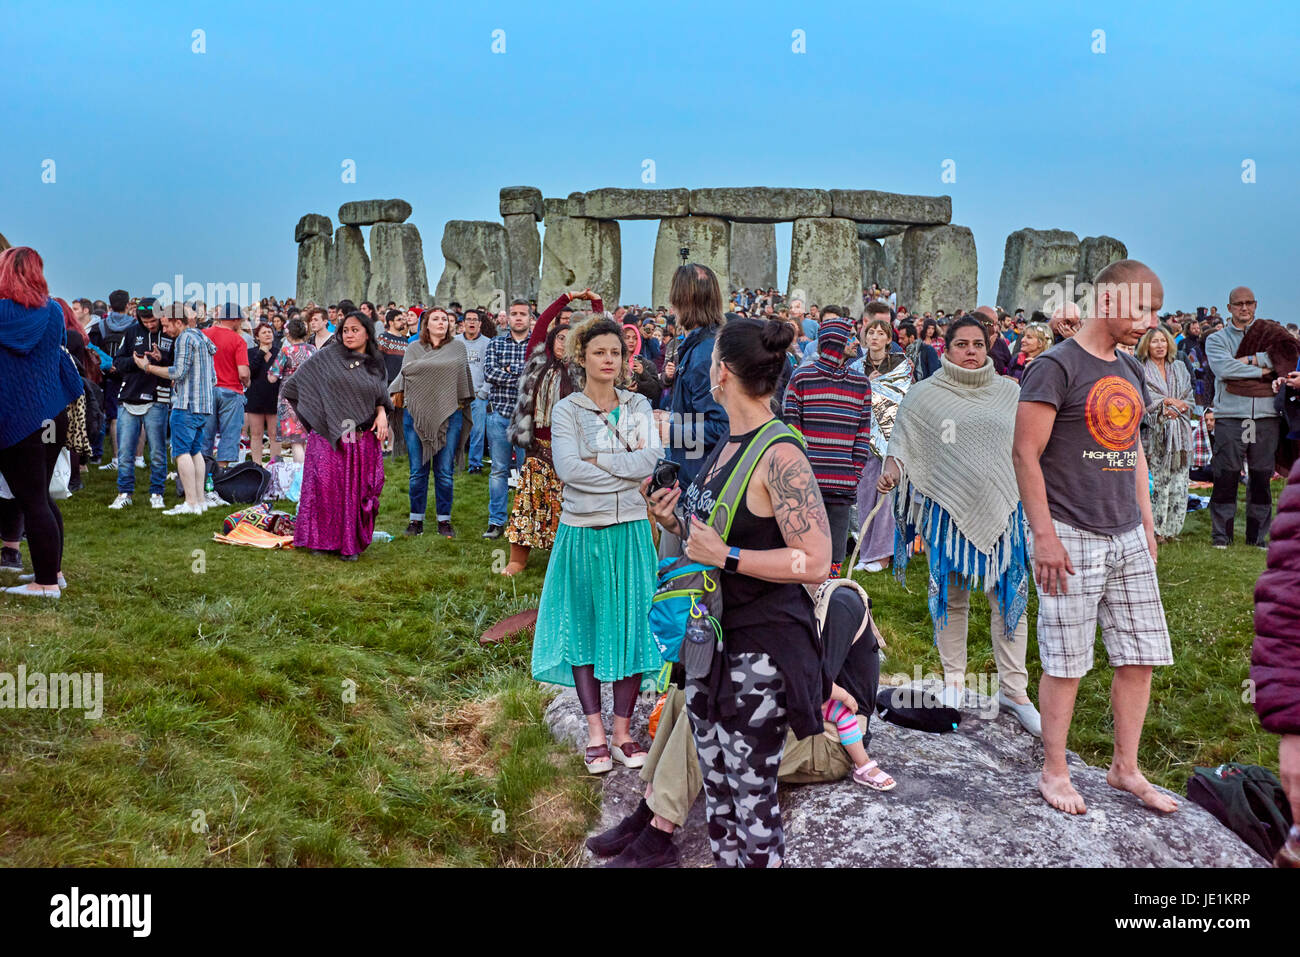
(939, 269)
(313, 270)
(516, 200)
(313, 224)
(753, 256)
(349, 266)
(613, 203)
(524, 252)
(760, 204)
(1095, 254)
(367, 212)
(707, 239)
(873, 206)
(892, 265)
(880, 230)
(578, 253)
(397, 270)
(477, 270)
(825, 266)
(1035, 268)
(872, 255)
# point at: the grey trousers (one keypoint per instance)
(1238, 442)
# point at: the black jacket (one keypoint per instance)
(138, 385)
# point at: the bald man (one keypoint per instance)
(999, 351)
(1065, 321)
(1083, 481)
(1246, 430)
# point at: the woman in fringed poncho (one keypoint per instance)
(949, 457)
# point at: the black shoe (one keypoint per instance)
(618, 837)
(11, 560)
(651, 848)
(75, 484)
(415, 528)
(348, 558)
(445, 530)
(474, 470)
(494, 531)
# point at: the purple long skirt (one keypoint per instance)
(340, 494)
(878, 544)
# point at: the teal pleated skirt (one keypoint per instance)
(596, 604)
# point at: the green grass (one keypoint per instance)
(224, 684)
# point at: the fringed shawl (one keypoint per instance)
(434, 383)
(336, 391)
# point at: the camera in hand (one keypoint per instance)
(665, 474)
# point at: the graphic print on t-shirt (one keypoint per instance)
(1113, 414)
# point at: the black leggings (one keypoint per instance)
(11, 520)
(28, 466)
(588, 688)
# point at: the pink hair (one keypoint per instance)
(22, 277)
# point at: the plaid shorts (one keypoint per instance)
(1114, 584)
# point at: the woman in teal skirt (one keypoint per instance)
(593, 626)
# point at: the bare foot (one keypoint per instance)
(512, 569)
(1060, 793)
(1147, 793)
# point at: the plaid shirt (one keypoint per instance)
(193, 372)
(1202, 446)
(501, 368)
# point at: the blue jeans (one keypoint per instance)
(441, 464)
(504, 457)
(477, 429)
(154, 423)
(228, 419)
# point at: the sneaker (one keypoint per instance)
(63, 582)
(874, 567)
(183, 509)
(75, 484)
(651, 848)
(122, 501)
(493, 531)
(212, 499)
(445, 530)
(11, 560)
(111, 465)
(139, 461)
(618, 837)
(474, 470)
(513, 481)
(1224, 547)
(156, 501)
(415, 528)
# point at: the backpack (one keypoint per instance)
(94, 407)
(687, 589)
(1246, 799)
(916, 708)
(244, 482)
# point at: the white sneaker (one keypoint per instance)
(109, 466)
(156, 501)
(860, 567)
(212, 499)
(139, 461)
(874, 567)
(182, 509)
(122, 501)
(513, 481)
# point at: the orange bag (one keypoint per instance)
(654, 715)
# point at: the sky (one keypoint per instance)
(168, 161)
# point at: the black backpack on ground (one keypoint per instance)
(1246, 799)
(244, 482)
(916, 708)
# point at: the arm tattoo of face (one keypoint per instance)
(796, 499)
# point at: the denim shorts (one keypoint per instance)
(187, 432)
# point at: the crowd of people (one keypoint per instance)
(1000, 446)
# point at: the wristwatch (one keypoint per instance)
(733, 559)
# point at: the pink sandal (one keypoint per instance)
(875, 781)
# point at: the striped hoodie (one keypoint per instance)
(831, 405)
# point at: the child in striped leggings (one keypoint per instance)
(841, 710)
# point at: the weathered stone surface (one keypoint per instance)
(477, 270)
(313, 224)
(1095, 254)
(872, 255)
(707, 238)
(397, 270)
(753, 256)
(516, 200)
(965, 799)
(554, 207)
(577, 253)
(349, 266)
(614, 203)
(524, 253)
(313, 269)
(760, 204)
(939, 269)
(880, 230)
(825, 266)
(893, 263)
(1033, 259)
(366, 212)
(873, 206)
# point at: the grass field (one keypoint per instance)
(230, 735)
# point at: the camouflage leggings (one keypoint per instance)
(739, 757)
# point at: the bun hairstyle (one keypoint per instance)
(296, 329)
(582, 332)
(754, 350)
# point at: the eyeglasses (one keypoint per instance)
(1244, 302)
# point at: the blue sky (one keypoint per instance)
(168, 161)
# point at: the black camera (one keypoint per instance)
(685, 253)
(665, 474)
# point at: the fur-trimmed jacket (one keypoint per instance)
(1282, 349)
(541, 385)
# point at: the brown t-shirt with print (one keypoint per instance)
(1090, 462)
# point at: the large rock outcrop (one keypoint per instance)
(893, 264)
(760, 204)
(313, 224)
(524, 252)
(516, 200)
(872, 255)
(349, 266)
(1095, 254)
(1035, 261)
(397, 272)
(753, 256)
(873, 206)
(939, 269)
(614, 203)
(313, 269)
(825, 265)
(578, 253)
(708, 241)
(965, 799)
(476, 272)
(367, 212)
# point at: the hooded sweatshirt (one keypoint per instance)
(109, 332)
(831, 405)
(138, 386)
(37, 377)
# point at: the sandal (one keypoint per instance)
(597, 759)
(630, 754)
(876, 781)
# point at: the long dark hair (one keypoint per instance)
(374, 358)
(695, 297)
(754, 350)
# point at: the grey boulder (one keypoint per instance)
(614, 203)
(367, 212)
(760, 204)
(874, 206)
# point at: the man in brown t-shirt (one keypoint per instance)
(1083, 481)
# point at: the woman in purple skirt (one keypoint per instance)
(340, 396)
